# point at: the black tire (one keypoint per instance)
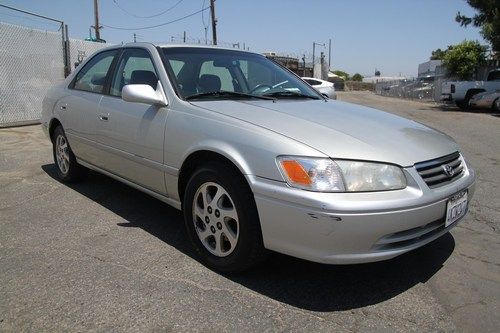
(249, 249)
(464, 105)
(74, 171)
(496, 104)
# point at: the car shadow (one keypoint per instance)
(296, 282)
(454, 108)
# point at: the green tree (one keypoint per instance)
(439, 54)
(357, 77)
(487, 18)
(462, 59)
(342, 74)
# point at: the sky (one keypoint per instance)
(393, 36)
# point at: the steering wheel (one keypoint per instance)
(260, 86)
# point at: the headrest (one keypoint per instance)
(98, 79)
(144, 77)
(209, 83)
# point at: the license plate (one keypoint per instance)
(456, 208)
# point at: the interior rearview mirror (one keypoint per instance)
(142, 93)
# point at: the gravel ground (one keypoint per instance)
(101, 256)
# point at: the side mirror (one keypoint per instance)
(142, 93)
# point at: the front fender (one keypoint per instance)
(251, 148)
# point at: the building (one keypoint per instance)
(291, 63)
(428, 68)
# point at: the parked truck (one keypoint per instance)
(460, 92)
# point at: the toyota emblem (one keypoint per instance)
(448, 170)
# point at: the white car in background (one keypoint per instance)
(325, 88)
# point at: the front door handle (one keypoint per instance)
(103, 118)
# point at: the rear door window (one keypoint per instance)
(92, 77)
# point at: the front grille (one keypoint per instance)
(434, 173)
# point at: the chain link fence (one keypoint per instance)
(79, 50)
(427, 89)
(31, 62)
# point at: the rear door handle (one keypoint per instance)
(103, 118)
(63, 107)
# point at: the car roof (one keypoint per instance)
(197, 46)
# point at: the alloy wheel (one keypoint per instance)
(62, 154)
(215, 219)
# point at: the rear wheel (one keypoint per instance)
(462, 104)
(68, 170)
(221, 219)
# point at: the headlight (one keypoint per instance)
(326, 175)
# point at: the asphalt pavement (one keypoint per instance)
(101, 256)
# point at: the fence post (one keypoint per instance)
(65, 44)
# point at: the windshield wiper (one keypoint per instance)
(287, 93)
(225, 94)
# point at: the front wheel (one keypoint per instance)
(496, 104)
(221, 219)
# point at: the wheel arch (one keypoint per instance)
(472, 92)
(54, 122)
(203, 155)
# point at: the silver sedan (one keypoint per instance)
(486, 100)
(254, 157)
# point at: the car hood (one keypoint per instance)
(342, 130)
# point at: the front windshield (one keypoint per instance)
(201, 73)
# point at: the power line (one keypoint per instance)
(157, 25)
(150, 16)
(31, 13)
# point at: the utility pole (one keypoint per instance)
(184, 38)
(135, 38)
(304, 61)
(97, 27)
(329, 54)
(322, 62)
(314, 46)
(314, 50)
(214, 22)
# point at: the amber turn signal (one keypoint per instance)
(295, 172)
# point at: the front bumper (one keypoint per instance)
(481, 103)
(446, 97)
(348, 228)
